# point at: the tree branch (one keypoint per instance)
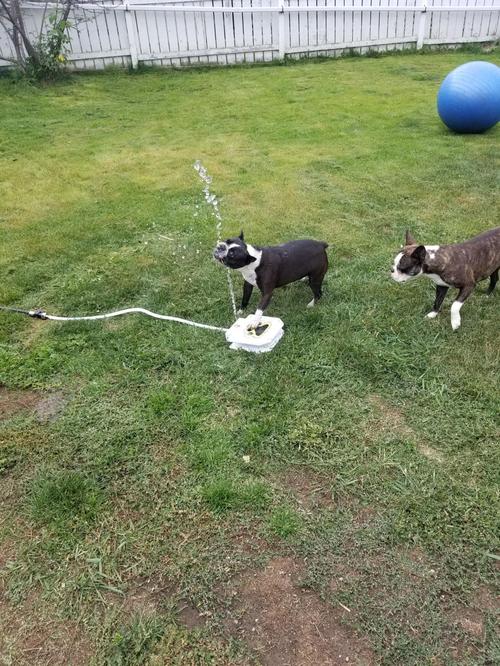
(26, 46)
(18, 23)
(67, 9)
(43, 20)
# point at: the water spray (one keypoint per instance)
(212, 200)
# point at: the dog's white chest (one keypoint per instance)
(437, 280)
(249, 274)
(248, 271)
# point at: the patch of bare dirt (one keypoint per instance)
(7, 553)
(28, 637)
(145, 596)
(416, 555)
(486, 599)
(114, 324)
(364, 516)
(312, 490)
(466, 635)
(149, 596)
(12, 402)
(287, 625)
(391, 419)
(397, 587)
(471, 619)
(189, 616)
(49, 407)
(46, 407)
(9, 491)
(246, 541)
(429, 452)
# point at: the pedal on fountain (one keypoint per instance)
(261, 339)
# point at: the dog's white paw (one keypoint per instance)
(239, 312)
(455, 314)
(432, 315)
(254, 321)
(311, 303)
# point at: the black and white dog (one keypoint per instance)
(274, 266)
(461, 265)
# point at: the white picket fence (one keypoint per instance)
(189, 32)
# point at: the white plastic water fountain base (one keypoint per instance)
(264, 338)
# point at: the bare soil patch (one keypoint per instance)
(364, 516)
(470, 621)
(287, 625)
(49, 407)
(12, 402)
(149, 596)
(7, 552)
(312, 490)
(46, 407)
(487, 599)
(391, 419)
(400, 586)
(145, 596)
(189, 616)
(28, 637)
(246, 541)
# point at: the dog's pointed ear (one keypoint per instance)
(241, 237)
(409, 240)
(419, 254)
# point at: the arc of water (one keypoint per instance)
(211, 200)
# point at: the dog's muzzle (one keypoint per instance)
(220, 252)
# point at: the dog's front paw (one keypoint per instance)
(240, 311)
(254, 321)
(311, 304)
(455, 314)
(432, 315)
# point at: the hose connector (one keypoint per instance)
(38, 314)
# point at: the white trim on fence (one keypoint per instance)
(178, 32)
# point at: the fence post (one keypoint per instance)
(422, 20)
(131, 36)
(281, 31)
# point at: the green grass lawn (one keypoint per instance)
(158, 492)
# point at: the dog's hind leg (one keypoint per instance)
(456, 306)
(493, 282)
(316, 282)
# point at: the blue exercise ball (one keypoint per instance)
(469, 97)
